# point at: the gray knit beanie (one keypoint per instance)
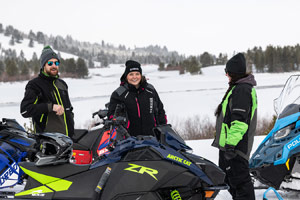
(46, 55)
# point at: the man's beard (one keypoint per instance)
(52, 72)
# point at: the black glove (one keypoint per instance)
(229, 152)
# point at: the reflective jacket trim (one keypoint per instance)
(34, 127)
(254, 102)
(65, 120)
(224, 104)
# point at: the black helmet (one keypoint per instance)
(55, 148)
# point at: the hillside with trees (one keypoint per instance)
(14, 66)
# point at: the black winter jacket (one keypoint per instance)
(241, 110)
(40, 95)
(143, 107)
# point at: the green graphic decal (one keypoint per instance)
(54, 183)
(180, 160)
(38, 191)
(141, 170)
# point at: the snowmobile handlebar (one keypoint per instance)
(101, 113)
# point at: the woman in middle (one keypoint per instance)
(143, 107)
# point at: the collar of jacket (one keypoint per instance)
(248, 79)
(47, 77)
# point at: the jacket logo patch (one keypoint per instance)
(151, 105)
(141, 170)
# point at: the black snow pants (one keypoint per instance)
(237, 177)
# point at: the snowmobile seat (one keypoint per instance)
(78, 134)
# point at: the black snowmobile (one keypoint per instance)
(276, 162)
(155, 167)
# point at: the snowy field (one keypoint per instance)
(183, 96)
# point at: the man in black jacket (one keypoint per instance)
(46, 98)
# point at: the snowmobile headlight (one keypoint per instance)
(282, 132)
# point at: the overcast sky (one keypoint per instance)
(187, 26)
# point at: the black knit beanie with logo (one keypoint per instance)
(131, 66)
(46, 55)
(236, 64)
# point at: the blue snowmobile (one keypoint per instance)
(15, 146)
(275, 163)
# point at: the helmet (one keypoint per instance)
(55, 148)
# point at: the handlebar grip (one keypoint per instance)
(95, 113)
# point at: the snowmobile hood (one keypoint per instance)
(164, 151)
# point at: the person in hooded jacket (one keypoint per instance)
(143, 107)
(235, 128)
(46, 98)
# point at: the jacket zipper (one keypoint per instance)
(138, 107)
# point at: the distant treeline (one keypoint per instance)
(104, 53)
(274, 59)
(18, 68)
(14, 66)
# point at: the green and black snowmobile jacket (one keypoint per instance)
(236, 123)
(40, 95)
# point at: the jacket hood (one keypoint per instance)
(248, 79)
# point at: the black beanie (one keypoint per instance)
(237, 64)
(131, 66)
(46, 55)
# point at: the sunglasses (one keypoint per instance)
(50, 63)
(225, 71)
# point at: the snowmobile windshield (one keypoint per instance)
(289, 100)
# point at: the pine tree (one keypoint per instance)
(11, 67)
(31, 35)
(91, 64)
(206, 59)
(40, 37)
(192, 65)
(2, 67)
(161, 66)
(269, 58)
(31, 43)
(22, 56)
(81, 68)
(34, 64)
(17, 35)
(24, 69)
(1, 28)
(12, 41)
(9, 30)
(70, 66)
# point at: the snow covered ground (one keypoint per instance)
(204, 148)
(183, 96)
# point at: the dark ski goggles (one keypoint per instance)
(50, 63)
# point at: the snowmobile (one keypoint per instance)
(17, 145)
(276, 161)
(157, 167)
